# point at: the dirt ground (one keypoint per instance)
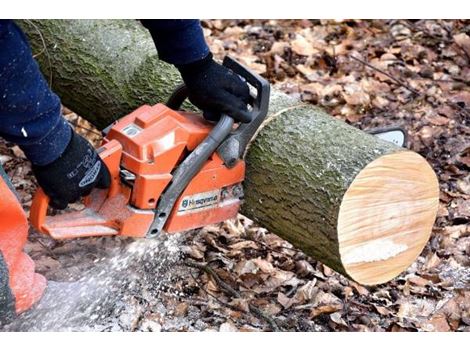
(237, 276)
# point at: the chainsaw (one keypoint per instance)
(170, 170)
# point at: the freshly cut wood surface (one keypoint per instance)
(386, 217)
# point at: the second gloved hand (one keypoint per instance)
(216, 89)
(74, 174)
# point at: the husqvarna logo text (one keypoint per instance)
(200, 201)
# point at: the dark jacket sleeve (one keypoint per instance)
(30, 113)
(178, 42)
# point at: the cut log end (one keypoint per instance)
(386, 217)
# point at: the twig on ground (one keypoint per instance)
(412, 90)
(75, 123)
(228, 289)
(400, 83)
(225, 304)
(277, 249)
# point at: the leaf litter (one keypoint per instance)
(366, 73)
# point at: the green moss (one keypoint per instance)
(102, 69)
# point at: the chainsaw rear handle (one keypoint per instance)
(110, 153)
(230, 144)
(234, 146)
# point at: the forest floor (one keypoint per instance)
(237, 276)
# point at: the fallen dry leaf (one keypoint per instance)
(301, 46)
(437, 322)
(325, 302)
(431, 262)
(181, 309)
(303, 295)
(243, 245)
(382, 310)
(359, 289)
(355, 95)
(228, 327)
(419, 281)
(463, 40)
(336, 318)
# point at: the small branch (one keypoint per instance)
(228, 305)
(400, 83)
(75, 123)
(225, 304)
(412, 90)
(228, 289)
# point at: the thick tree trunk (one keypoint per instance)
(360, 205)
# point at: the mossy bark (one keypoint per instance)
(298, 167)
(100, 69)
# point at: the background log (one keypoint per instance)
(360, 205)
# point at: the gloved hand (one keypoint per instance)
(216, 89)
(74, 174)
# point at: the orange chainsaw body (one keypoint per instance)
(141, 151)
(26, 286)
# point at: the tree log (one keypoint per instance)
(362, 206)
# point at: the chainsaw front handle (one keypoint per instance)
(234, 146)
(229, 144)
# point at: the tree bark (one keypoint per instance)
(362, 206)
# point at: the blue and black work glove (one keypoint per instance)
(74, 174)
(215, 89)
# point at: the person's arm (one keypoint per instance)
(65, 165)
(178, 42)
(30, 113)
(213, 88)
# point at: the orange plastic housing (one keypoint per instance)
(154, 140)
(27, 286)
(141, 151)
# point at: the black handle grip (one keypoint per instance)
(177, 98)
(261, 99)
(233, 147)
